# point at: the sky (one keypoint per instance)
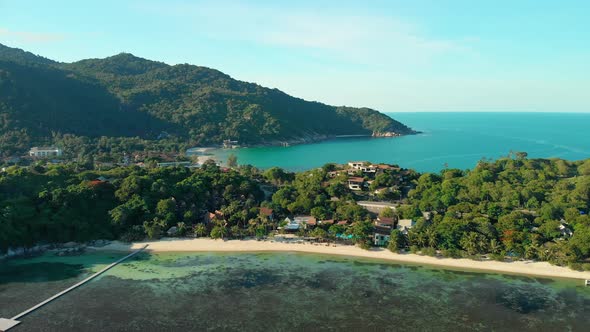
(391, 55)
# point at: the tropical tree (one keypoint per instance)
(200, 230)
(219, 232)
(232, 161)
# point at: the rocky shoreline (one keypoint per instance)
(58, 249)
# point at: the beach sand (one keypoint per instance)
(208, 245)
(202, 154)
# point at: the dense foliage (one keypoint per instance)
(124, 96)
(513, 207)
(532, 208)
(61, 203)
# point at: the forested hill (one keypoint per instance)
(125, 95)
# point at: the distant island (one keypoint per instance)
(133, 103)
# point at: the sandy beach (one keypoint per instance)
(203, 154)
(208, 245)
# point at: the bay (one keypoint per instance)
(283, 292)
(455, 140)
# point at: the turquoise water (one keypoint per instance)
(457, 139)
(282, 292)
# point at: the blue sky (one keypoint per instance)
(395, 56)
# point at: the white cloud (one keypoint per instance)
(30, 37)
(369, 39)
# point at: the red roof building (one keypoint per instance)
(266, 211)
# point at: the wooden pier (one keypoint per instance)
(6, 324)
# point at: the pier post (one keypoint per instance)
(6, 324)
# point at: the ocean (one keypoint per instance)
(282, 292)
(454, 140)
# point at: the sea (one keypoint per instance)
(453, 140)
(281, 292)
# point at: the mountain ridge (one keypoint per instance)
(126, 95)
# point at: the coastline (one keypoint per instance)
(530, 268)
(205, 153)
(202, 154)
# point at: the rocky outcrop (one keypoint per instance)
(386, 134)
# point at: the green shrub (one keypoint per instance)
(429, 251)
(136, 233)
(497, 257)
(451, 253)
(365, 245)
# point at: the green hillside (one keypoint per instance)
(125, 95)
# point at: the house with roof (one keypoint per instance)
(355, 183)
(212, 216)
(385, 222)
(362, 166)
(306, 221)
(381, 236)
(292, 224)
(356, 164)
(334, 174)
(376, 207)
(404, 225)
(99, 181)
(326, 222)
(267, 213)
(230, 144)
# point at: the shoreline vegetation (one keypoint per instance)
(527, 267)
(512, 208)
(157, 106)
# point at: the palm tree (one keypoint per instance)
(482, 244)
(200, 230)
(531, 251)
(544, 254)
(469, 242)
(432, 238)
(494, 246)
(421, 239)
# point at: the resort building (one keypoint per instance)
(230, 144)
(267, 213)
(355, 183)
(292, 225)
(326, 222)
(356, 164)
(334, 174)
(361, 166)
(305, 221)
(296, 223)
(381, 236)
(376, 207)
(404, 225)
(212, 216)
(176, 164)
(385, 222)
(44, 152)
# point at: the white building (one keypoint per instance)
(292, 224)
(43, 152)
(404, 225)
(356, 164)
